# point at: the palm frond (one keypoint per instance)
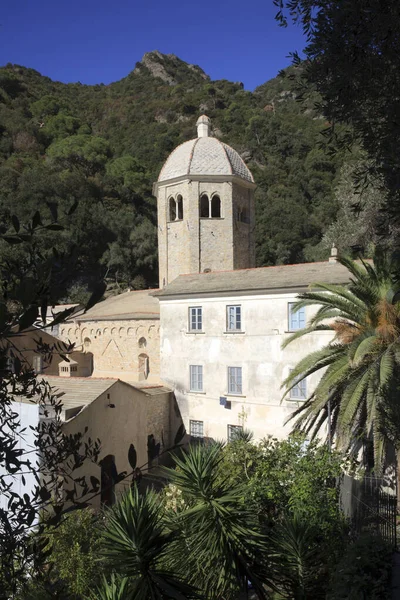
(359, 372)
(364, 347)
(305, 331)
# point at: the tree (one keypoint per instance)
(136, 546)
(292, 475)
(360, 365)
(74, 551)
(211, 547)
(82, 151)
(352, 59)
(296, 559)
(27, 287)
(359, 218)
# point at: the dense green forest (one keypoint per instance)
(104, 145)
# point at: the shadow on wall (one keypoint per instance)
(172, 437)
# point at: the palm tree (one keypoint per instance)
(360, 366)
(137, 545)
(223, 548)
(210, 548)
(295, 559)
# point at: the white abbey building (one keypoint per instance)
(222, 321)
(206, 348)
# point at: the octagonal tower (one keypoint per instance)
(205, 203)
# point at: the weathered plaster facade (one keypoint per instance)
(257, 349)
(120, 416)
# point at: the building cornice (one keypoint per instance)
(204, 178)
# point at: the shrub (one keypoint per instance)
(364, 571)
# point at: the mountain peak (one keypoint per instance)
(168, 67)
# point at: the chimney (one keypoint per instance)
(334, 254)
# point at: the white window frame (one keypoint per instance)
(235, 381)
(38, 363)
(296, 320)
(299, 391)
(234, 317)
(231, 429)
(196, 428)
(195, 318)
(196, 378)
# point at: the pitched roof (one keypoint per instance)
(139, 304)
(262, 279)
(149, 389)
(81, 391)
(78, 391)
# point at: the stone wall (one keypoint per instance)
(195, 243)
(244, 226)
(118, 347)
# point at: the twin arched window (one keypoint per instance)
(210, 208)
(176, 208)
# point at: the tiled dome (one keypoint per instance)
(204, 156)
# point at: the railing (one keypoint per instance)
(371, 503)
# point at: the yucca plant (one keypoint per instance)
(222, 547)
(295, 560)
(115, 589)
(360, 366)
(137, 546)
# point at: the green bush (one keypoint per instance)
(364, 571)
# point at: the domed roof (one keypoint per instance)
(204, 156)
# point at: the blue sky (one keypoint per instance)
(100, 41)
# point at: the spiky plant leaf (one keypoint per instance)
(223, 545)
(361, 367)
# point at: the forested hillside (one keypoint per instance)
(104, 145)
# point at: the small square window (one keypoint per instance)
(299, 391)
(196, 429)
(196, 378)
(195, 318)
(235, 380)
(297, 319)
(233, 431)
(234, 318)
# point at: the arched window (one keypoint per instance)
(179, 206)
(172, 209)
(215, 207)
(204, 206)
(144, 367)
(142, 342)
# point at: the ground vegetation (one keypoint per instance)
(103, 146)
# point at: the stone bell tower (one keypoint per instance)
(205, 203)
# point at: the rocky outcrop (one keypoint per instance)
(167, 67)
(153, 61)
